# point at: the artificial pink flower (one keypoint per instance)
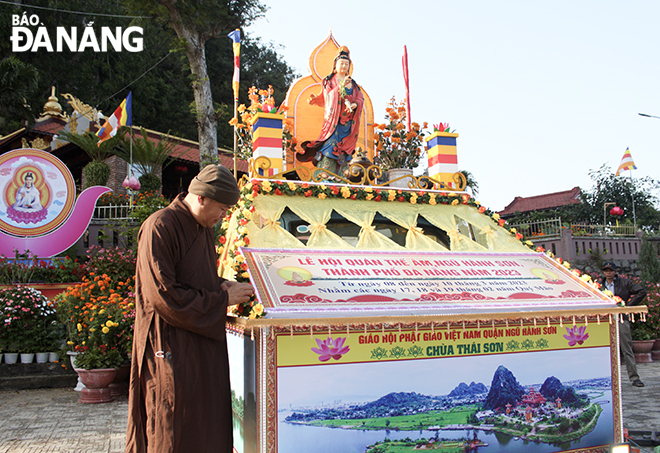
(133, 183)
(331, 348)
(576, 335)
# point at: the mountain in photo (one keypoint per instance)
(462, 390)
(504, 389)
(552, 389)
(397, 400)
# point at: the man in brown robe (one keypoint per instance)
(180, 398)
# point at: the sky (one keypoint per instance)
(539, 92)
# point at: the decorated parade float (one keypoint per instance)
(399, 318)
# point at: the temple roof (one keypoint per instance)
(542, 202)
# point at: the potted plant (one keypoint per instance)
(398, 149)
(24, 313)
(642, 343)
(97, 316)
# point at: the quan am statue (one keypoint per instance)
(342, 100)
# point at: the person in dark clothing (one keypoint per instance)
(632, 294)
(180, 397)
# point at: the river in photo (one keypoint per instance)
(294, 438)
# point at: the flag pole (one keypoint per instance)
(236, 45)
(632, 195)
(235, 138)
(130, 165)
(407, 84)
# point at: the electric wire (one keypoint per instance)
(73, 12)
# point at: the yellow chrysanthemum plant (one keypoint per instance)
(98, 315)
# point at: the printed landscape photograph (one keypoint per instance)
(532, 402)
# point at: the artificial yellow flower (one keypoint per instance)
(104, 330)
(79, 327)
(321, 196)
(454, 203)
(345, 192)
(258, 309)
(109, 323)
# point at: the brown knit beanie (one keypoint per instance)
(217, 183)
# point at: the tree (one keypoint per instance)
(147, 156)
(97, 172)
(159, 78)
(471, 183)
(621, 190)
(195, 22)
(18, 82)
(648, 261)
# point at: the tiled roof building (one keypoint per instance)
(542, 202)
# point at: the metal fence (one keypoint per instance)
(602, 230)
(547, 229)
(113, 212)
(540, 229)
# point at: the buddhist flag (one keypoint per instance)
(123, 116)
(627, 162)
(236, 38)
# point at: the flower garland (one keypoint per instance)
(253, 188)
(244, 208)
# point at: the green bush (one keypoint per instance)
(649, 263)
(150, 183)
(96, 173)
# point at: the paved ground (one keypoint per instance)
(51, 420)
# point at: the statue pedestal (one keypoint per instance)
(267, 142)
(443, 161)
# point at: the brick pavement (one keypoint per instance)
(52, 421)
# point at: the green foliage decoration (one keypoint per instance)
(648, 261)
(150, 183)
(96, 173)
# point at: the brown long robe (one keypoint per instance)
(179, 398)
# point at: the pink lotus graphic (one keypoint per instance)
(331, 348)
(576, 335)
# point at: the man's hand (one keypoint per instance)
(237, 292)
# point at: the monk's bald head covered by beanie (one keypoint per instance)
(217, 183)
